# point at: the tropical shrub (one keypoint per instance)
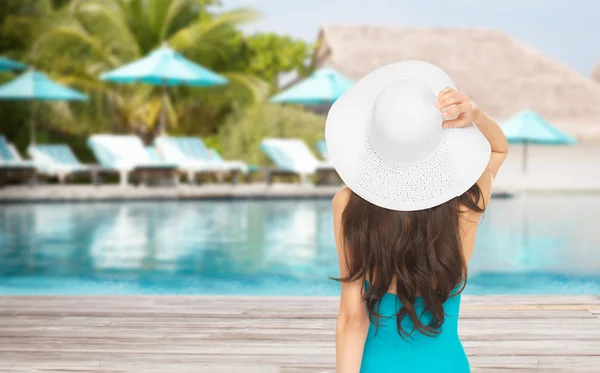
(242, 132)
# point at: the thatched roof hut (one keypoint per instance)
(596, 73)
(500, 73)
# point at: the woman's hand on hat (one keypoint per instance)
(457, 109)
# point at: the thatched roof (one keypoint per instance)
(596, 73)
(498, 72)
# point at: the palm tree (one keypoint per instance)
(81, 39)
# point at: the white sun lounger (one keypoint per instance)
(127, 155)
(13, 165)
(322, 148)
(58, 160)
(194, 158)
(292, 156)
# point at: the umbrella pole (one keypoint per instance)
(525, 224)
(163, 114)
(525, 143)
(32, 113)
(524, 203)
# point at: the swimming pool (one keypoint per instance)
(544, 244)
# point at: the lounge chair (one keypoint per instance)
(58, 160)
(12, 164)
(322, 148)
(248, 170)
(194, 158)
(293, 157)
(127, 155)
(153, 154)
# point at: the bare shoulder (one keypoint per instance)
(340, 200)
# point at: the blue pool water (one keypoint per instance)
(546, 244)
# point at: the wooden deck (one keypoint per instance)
(166, 334)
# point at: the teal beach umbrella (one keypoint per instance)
(7, 64)
(164, 67)
(35, 86)
(528, 127)
(324, 86)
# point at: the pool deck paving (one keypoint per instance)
(90, 193)
(148, 334)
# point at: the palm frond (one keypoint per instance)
(201, 31)
(175, 9)
(84, 83)
(148, 114)
(247, 88)
(106, 21)
(68, 34)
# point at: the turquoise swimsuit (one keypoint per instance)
(387, 352)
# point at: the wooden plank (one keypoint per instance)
(520, 321)
(271, 334)
(270, 331)
(250, 301)
(578, 363)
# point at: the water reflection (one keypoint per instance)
(268, 246)
(540, 233)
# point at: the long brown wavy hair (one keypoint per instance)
(419, 250)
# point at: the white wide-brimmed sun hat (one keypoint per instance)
(385, 139)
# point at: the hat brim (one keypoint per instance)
(459, 161)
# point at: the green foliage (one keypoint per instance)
(74, 41)
(270, 54)
(18, 25)
(261, 55)
(243, 131)
(82, 39)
